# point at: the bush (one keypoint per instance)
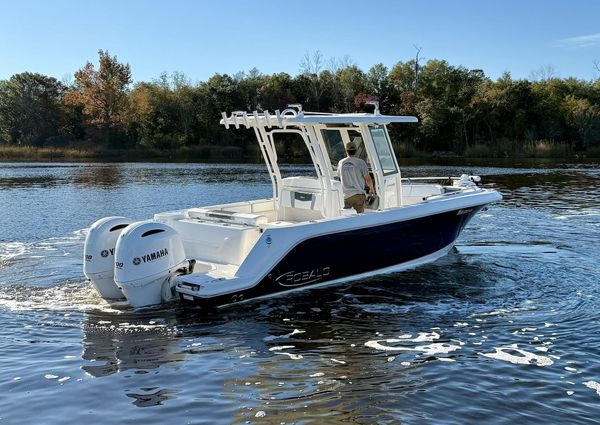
(546, 149)
(593, 152)
(406, 150)
(479, 151)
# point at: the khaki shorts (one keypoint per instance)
(357, 202)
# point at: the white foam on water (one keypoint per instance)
(338, 361)
(10, 250)
(316, 375)
(129, 326)
(47, 275)
(429, 349)
(425, 336)
(525, 357)
(279, 350)
(281, 347)
(570, 369)
(291, 355)
(50, 376)
(274, 337)
(68, 296)
(593, 385)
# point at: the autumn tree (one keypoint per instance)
(102, 92)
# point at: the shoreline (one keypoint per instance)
(234, 155)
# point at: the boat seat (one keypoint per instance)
(223, 216)
(215, 241)
(302, 199)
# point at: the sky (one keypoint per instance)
(200, 38)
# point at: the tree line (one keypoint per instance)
(461, 111)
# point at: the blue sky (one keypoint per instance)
(201, 38)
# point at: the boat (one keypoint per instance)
(302, 236)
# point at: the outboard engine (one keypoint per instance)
(99, 255)
(147, 255)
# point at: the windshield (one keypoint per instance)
(292, 155)
(334, 141)
(383, 148)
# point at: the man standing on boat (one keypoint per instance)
(354, 173)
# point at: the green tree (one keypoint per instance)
(584, 117)
(30, 109)
(379, 85)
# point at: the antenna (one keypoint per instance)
(297, 106)
(375, 103)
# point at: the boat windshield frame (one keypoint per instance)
(311, 127)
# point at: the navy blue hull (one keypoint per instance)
(344, 254)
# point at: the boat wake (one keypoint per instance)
(45, 275)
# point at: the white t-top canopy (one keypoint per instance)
(293, 117)
(350, 118)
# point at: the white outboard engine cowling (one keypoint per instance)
(99, 255)
(148, 254)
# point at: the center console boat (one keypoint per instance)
(301, 236)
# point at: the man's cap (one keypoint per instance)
(350, 146)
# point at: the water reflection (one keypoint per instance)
(109, 175)
(153, 396)
(17, 182)
(561, 190)
(119, 342)
(292, 358)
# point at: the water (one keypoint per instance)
(503, 330)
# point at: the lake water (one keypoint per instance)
(504, 330)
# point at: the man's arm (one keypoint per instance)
(370, 185)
